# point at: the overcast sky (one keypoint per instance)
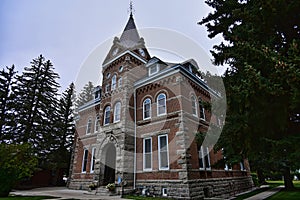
(67, 31)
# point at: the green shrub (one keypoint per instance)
(17, 162)
(255, 179)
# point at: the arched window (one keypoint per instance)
(147, 109)
(194, 105)
(107, 115)
(120, 82)
(113, 82)
(201, 108)
(97, 124)
(89, 126)
(117, 112)
(161, 104)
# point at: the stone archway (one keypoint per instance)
(110, 164)
(108, 154)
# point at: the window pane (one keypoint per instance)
(107, 115)
(163, 143)
(113, 82)
(85, 157)
(147, 108)
(147, 153)
(164, 160)
(153, 69)
(147, 145)
(163, 152)
(148, 161)
(161, 104)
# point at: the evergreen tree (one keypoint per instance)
(86, 94)
(6, 102)
(36, 99)
(262, 83)
(59, 158)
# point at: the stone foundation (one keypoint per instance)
(80, 184)
(198, 189)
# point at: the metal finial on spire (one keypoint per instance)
(131, 9)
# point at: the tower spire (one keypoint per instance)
(131, 8)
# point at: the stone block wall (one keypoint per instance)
(198, 189)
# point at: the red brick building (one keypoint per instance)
(141, 128)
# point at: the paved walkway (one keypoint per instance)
(266, 194)
(63, 193)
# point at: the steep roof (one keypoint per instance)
(130, 35)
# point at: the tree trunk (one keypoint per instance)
(261, 177)
(288, 180)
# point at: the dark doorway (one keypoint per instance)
(110, 165)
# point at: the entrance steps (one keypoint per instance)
(102, 191)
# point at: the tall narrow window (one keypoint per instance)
(107, 115)
(147, 154)
(204, 159)
(163, 154)
(120, 82)
(194, 106)
(84, 160)
(97, 124)
(117, 112)
(107, 88)
(242, 165)
(147, 109)
(161, 104)
(89, 126)
(113, 82)
(93, 158)
(228, 166)
(201, 107)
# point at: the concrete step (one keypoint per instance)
(102, 191)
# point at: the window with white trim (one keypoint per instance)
(113, 82)
(84, 160)
(120, 82)
(93, 159)
(97, 124)
(164, 192)
(242, 165)
(194, 105)
(204, 158)
(117, 112)
(201, 108)
(147, 109)
(107, 115)
(163, 152)
(147, 151)
(161, 104)
(228, 166)
(89, 126)
(153, 69)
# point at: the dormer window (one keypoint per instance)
(153, 69)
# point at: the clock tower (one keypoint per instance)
(123, 65)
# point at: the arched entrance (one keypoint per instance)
(110, 164)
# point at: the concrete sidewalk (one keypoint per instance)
(266, 194)
(62, 193)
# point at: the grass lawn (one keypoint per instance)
(26, 197)
(272, 184)
(288, 194)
